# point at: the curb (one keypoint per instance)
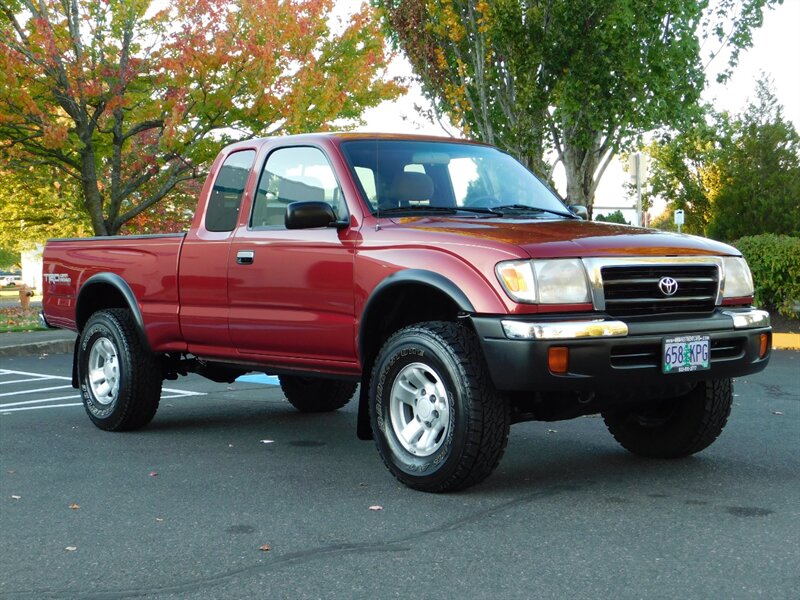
(786, 341)
(38, 348)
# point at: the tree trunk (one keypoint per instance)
(581, 166)
(93, 199)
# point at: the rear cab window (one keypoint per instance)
(225, 200)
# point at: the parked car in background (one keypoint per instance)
(10, 280)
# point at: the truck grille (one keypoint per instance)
(634, 290)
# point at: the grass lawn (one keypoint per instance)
(13, 318)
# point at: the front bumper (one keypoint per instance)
(613, 353)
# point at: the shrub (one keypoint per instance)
(775, 263)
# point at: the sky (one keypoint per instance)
(775, 52)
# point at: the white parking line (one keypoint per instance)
(26, 380)
(47, 389)
(41, 403)
(11, 410)
(9, 372)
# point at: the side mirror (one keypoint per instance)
(579, 210)
(308, 215)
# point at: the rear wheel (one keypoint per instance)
(676, 427)
(437, 420)
(312, 395)
(120, 379)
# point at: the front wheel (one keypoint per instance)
(675, 427)
(120, 379)
(437, 420)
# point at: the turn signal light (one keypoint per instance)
(558, 359)
(763, 345)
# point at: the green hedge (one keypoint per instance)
(775, 263)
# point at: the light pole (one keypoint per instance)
(637, 165)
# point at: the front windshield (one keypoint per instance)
(412, 176)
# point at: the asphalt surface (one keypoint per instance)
(182, 508)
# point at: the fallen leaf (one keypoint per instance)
(74, 506)
(153, 473)
(777, 412)
(71, 548)
(376, 507)
(15, 497)
(265, 548)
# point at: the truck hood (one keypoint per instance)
(541, 238)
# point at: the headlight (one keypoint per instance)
(517, 279)
(557, 281)
(738, 280)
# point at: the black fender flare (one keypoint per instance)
(121, 286)
(118, 283)
(424, 277)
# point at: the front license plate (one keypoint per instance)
(686, 353)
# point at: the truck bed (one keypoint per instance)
(148, 264)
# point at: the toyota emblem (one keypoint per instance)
(668, 286)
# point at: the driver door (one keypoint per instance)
(291, 291)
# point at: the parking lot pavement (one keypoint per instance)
(231, 493)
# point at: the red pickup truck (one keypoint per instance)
(441, 276)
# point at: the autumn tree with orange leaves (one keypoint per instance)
(129, 100)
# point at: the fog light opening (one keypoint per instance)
(558, 359)
(763, 345)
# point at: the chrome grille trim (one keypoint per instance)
(594, 267)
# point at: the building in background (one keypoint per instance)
(32, 267)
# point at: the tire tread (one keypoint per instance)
(316, 395)
(707, 409)
(144, 395)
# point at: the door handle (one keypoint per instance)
(245, 257)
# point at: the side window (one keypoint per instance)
(226, 195)
(293, 175)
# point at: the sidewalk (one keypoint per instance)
(36, 343)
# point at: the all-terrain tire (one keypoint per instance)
(315, 395)
(120, 378)
(676, 427)
(437, 420)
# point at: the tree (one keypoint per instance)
(614, 217)
(684, 172)
(128, 101)
(583, 78)
(8, 259)
(759, 173)
(37, 204)
(732, 175)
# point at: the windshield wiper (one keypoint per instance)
(518, 208)
(409, 209)
(450, 210)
